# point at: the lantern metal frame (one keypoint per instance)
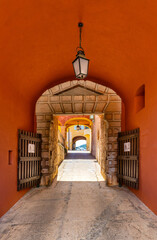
(78, 126)
(80, 57)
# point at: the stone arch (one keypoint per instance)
(96, 99)
(75, 139)
(81, 120)
(94, 79)
(78, 138)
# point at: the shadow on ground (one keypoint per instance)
(80, 155)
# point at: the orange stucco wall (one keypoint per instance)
(38, 42)
(146, 119)
(123, 118)
(16, 113)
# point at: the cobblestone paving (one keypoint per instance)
(79, 206)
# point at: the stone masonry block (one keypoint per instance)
(45, 154)
(45, 139)
(114, 107)
(111, 155)
(44, 147)
(112, 139)
(109, 147)
(110, 132)
(41, 131)
(47, 163)
(114, 124)
(109, 116)
(43, 164)
(117, 116)
(43, 99)
(54, 98)
(66, 84)
(115, 146)
(115, 131)
(42, 108)
(46, 132)
(45, 170)
(40, 117)
(48, 117)
(43, 125)
(113, 170)
(115, 98)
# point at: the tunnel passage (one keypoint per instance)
(122, 58)
(60, 107)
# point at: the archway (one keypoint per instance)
(81, 101)
(75, 139)
(124, 61)
(84, 124)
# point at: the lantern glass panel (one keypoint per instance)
(84, 66)
(76, 66)
(78, 127)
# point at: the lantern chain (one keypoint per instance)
(80, 25)
(80, 36)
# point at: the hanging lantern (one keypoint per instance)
(80, 63)
(78, 127)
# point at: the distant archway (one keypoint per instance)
(75, 139)
(79, 120)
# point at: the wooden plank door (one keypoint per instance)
(29, 159)
(128, 158)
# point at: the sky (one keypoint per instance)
(80, 142)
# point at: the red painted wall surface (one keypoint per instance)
(16, 113)
(123, 118)
(146, 120)
(38, 42)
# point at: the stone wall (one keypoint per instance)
(114, 126)
(104, 142)
(99, 141)
(43, 127)
(103, 145)
(61, 148)
(61, 153)
(96, 137)
(52, 148)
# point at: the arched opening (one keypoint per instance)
(78, 127)
(60, 112)
(36, 56)
(79, 143)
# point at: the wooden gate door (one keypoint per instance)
(128, 158)
(29, 159)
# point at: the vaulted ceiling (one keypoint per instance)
(77, 97)
(39, 39)
(79, 121)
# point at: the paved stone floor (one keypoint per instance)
(78, 206)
